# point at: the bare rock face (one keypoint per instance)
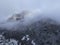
(17, 17)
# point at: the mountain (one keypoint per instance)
(40, 29)
(24, 19)
(14, 20)
(43, 32)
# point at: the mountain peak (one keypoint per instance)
(18, 16)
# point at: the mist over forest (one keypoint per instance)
(29, 22)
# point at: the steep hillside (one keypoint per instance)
(43, 32)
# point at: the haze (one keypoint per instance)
(50, 8)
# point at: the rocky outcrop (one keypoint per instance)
(18, 16)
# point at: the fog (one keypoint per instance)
(49, 8)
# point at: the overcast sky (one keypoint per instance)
(8, 7)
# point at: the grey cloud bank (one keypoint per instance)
(49, 8)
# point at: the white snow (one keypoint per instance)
(23, 38)
(33, 42)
